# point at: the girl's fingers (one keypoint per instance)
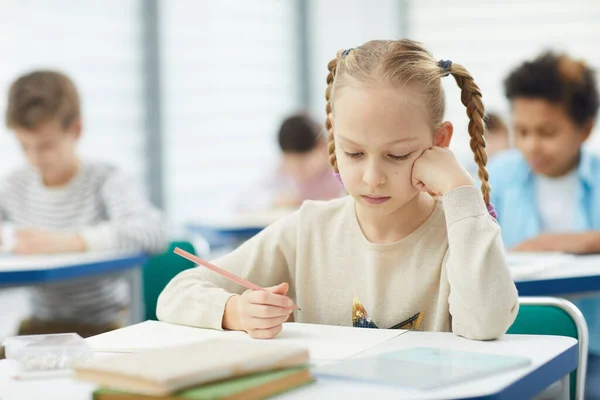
(266, 333)
(267, 311)
(265, 323)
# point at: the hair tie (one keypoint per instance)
(445, 65)
(339, 178)
(492, 211)
(346, 52)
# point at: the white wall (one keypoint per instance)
(229, 76)
(340, 24)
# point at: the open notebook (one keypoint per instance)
(324, 342)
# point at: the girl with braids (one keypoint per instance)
(413, 245)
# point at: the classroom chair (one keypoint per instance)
(556, 316)
(159, 271)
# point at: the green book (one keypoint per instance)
(249, 387)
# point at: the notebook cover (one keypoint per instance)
(422, 368)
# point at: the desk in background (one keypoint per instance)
(43, 269)
(554, 274)
(230, 230)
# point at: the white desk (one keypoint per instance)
(557, 275)
(552, 359)
(43, 269)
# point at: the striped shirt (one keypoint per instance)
(100, 204)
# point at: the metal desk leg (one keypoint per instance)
(559, 390)
(566, 388)
(136, 290)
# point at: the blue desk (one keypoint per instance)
(34, 270)
(44, 269)
(218, 237)
(230, 230)
(553, 358)
(568, 286)
(575, 276)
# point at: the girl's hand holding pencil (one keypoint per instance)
(259, 311)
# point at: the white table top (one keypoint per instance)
(43, 269)
(9, 262)
(540, 349)
(324, 342)
(551, 274)
(544, 266)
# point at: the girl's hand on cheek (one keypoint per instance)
(438, 171)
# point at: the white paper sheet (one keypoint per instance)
(152, 335)
(324, 342)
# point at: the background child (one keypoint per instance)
(303, 172)
(547, 191)
(389, 255)
(497, 138)
(60, 203)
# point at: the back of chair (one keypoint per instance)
(554, 316)
(159, 271)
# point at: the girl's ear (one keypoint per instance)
(443, 135)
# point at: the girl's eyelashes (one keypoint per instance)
(353, 155)
(391, 156)
(400, 158)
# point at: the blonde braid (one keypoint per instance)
(332, 66)
(470, 96)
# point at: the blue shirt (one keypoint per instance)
(513, 195)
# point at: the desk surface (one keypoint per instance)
(558, 275)
(552, 358)
(24, 270)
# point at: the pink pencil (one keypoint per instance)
(226, 274)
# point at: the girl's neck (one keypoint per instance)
(390, 228)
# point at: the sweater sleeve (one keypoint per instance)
(133, 223)
(197, 297)
(483, 298)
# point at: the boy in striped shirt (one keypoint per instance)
(61, 203)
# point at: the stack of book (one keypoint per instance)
(212, 369)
